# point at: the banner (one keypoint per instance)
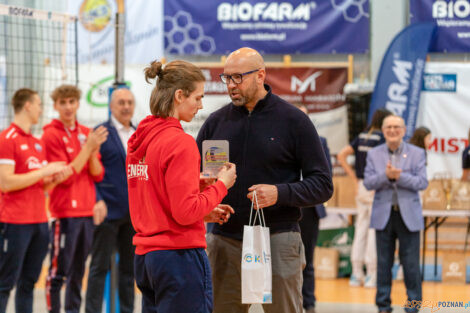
(96, 30)
(445, 110)
(321, 90)
(296, 26)
(398, 84)
(452, 18)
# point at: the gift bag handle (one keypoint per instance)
(259, 213)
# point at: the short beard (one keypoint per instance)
(249, 96)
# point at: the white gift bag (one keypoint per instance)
(256, 259)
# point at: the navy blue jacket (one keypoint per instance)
(320, 208)
(113, 188)
(271, 145)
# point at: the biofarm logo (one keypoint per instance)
(397, 91)
(264, 11)
(451, 9)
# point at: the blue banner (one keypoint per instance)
(400, 78)
(276, 27)
(452, 18)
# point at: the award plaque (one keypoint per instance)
(214, 155)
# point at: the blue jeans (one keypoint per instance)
(174, 281)
(409, 258)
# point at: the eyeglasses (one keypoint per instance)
(393, 127)
(236, 78)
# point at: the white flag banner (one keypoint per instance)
(445, 110)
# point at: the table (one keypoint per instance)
(436, 217)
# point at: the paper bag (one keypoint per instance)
(256, 260)
(434, 197)
(454, 268)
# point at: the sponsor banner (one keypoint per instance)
(296, 26)
(444, 109)
(320, 89)
(143, 37)
(399, 82)
(327, 110)
(452, 18)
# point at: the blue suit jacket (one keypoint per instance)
(113, 188)
(412, 179)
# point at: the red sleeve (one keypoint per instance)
(55, 152)
(99, 177)
(7, 152)
(187, 204)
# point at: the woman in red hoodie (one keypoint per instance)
(166, 205)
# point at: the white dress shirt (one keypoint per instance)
(124, 132)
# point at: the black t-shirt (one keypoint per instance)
(466, 158)
(361, 145)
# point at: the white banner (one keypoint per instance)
(96, 30)
(445, 110)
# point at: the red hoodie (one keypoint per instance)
(165, 204)
(76, 196)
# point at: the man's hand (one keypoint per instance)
(266, 195)
(220, 214)
(99, 212)
(96, 138)
(392, 172)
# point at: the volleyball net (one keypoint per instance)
(38, 50)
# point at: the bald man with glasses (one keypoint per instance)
(273, 145)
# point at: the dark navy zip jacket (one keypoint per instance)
(271, 145)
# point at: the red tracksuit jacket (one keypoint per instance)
(165, 204)
(76, 196)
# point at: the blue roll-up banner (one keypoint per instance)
(399, 82)
(295, 26)
(452, 18)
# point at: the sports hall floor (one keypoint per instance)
(336, 296)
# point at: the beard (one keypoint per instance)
(246, 96)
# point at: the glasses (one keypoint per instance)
(236, 78)
(393, 127)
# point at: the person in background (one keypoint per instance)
(273, 144)
(421, 138)
(25, 174)
(73, 202)
(166, 203)
(309, 228)
(396, 170)
(116, 232)
(466, 161)
(363, 250)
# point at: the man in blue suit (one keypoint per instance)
(116, 232)
(396, 171)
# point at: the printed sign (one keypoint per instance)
(452, 18)
(296, 26)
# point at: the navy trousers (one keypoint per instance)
(110, 236)
(409, 258)
(309, 225)
(70, 244)
(23, 248)
(174, 281)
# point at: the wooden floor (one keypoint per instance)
(338, 290)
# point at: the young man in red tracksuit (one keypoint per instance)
(24, 174)
(73, 201)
